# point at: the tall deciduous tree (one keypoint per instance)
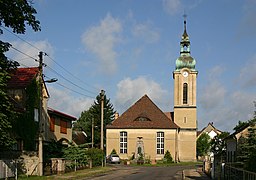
(14, 14)
(93, 116)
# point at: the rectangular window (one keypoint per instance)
(52, 124)
(63, 127)
(123, 142)
(160, 143)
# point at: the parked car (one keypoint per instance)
(113, 158)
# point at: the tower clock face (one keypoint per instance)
(185, 74)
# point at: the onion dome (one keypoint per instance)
(185, 60)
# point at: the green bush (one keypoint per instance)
(53, 150)
(168, 157)
(96, 155)
(76, 154)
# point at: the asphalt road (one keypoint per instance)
(144, 173)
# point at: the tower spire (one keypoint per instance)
(185, 60)
(185, 24)
(185, 37)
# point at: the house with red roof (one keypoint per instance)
(60, 126)
(23, 90)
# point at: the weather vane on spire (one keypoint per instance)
(185, 17)
(185, 22)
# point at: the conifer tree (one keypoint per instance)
(93, 116)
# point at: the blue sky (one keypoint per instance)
(129, 48)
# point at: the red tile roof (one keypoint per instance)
(22, 77)
(144, 114)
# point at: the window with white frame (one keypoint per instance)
(123, 142)
(160, 143)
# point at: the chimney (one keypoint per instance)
(116, 115)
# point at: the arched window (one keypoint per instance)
(185, 93)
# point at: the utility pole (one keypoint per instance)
(102, 94)
(92, 131)
(41, 123)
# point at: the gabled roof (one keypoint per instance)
(22, 77)
(208, 129)
(60, 114)
(144, 114)
(79, 137)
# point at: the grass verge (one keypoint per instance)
(72, 175)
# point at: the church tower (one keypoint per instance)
(185, 111)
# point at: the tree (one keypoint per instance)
(14, 14)
(168, 157)
(218, 145)
(246, 147)
(203, 145)
(93, 116)
(241, 125)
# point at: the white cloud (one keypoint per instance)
(248, 74)
(212, 95)
(129, 91)
(66, 102)
(237, 106)
(101, 41)
(215, 72)
(172, 6)
(24, 47)
(222, 105)
(145, 32)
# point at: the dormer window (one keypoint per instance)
(142, 119)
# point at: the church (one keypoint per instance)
(143, 129)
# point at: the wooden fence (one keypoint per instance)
(8, 168)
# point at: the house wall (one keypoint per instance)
(187, 145)
(148, 138)
(56, 134)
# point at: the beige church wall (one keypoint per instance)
(187, 145)
(148, 136)
(185, 117)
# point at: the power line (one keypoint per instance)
(18, 62)
(71, 73)
(23, 53)
(70, 81)
(21, 38)
(71, 89)
(53, 61)
(74, 91)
